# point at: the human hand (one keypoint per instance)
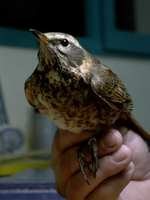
(124, 161)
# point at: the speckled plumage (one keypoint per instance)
(78, 92)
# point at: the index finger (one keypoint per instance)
(65, 139)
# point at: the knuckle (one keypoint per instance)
(111, 141)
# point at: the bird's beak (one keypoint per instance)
(40, 36)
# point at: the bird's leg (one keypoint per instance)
(88, 158)
(94, 153)
(83, 164)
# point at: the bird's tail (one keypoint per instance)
(129, 121)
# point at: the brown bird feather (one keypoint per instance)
(78, 92)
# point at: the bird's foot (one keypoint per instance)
(88, 158)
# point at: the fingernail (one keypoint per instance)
(122, 154)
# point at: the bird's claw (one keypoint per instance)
(88, 158)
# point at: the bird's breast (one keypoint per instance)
(69, 102)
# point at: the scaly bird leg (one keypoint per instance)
(94, 152)
(88, 158)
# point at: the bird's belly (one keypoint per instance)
(75, 120)
(75, 108)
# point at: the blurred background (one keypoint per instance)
(118, 32)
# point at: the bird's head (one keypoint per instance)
(59, 47)
(61, 59)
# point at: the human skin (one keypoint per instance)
(124, 172)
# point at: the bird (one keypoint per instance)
(79, 93)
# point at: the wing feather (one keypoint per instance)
(107, 85)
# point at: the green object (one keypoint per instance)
(12, 164)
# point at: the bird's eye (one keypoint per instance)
(64, 42)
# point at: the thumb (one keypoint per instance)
(112, 187)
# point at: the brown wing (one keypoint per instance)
(110, 88)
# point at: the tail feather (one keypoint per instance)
(130, 122)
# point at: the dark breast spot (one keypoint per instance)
(53, 105)
(76, 103)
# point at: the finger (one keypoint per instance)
(107, 144)
(77, 188)
(64, 139)
(112, 187)
(140, 155)
(68, 164)
(110, 142)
